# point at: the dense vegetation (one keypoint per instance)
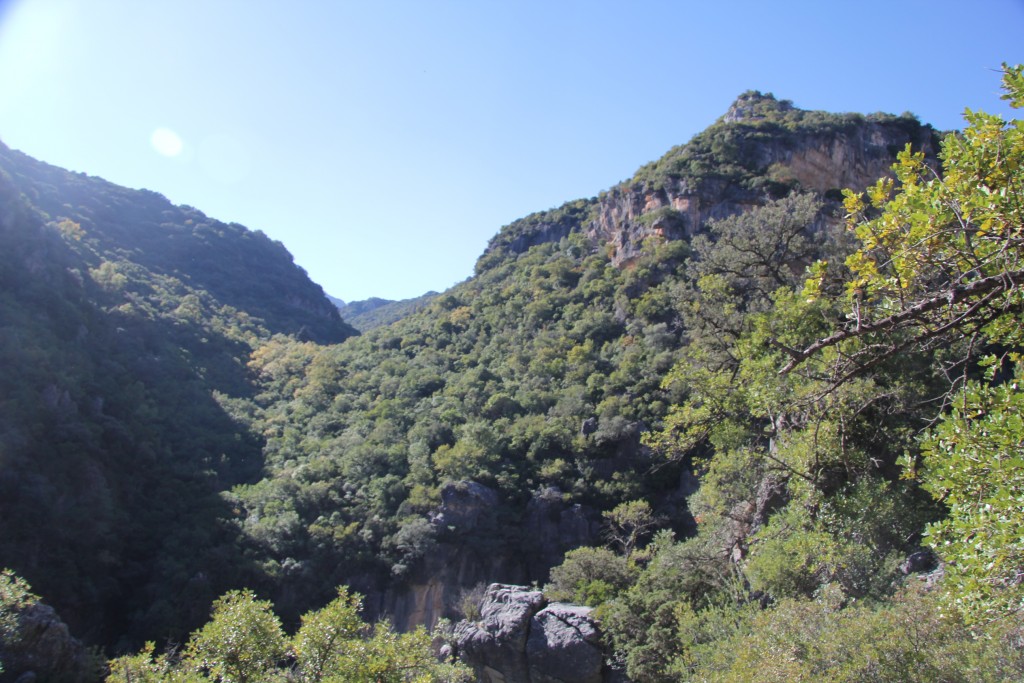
(822, 416)
(245, 642)
(848, 398)
(125, 326)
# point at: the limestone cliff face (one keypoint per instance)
(824, 162)
(466, 558)
(760, 149)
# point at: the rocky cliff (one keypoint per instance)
(452, 572)
(760, 149)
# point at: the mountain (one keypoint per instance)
(180, 246)
(761, 148)
(375, 312)
(598, 409)
(127, 324)
(483, 437)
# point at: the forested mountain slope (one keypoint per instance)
(125, 325)
(712, 321)
(370, 313)
(481, 438)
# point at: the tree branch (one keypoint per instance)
(991, 286)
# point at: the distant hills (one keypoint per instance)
(375, 312)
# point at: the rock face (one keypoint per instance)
(553, 527)
(678, 208)
(761, 147)
(519, 638)
(44, 650)
(564, 646)
(465, 505)
(466, 558)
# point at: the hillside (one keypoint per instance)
(516, 401)
(126, 326)
(375, 312)
(697, 402)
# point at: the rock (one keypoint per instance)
(495, 646)
(923, 561)
(465, 505)
(771, 496)
(563, 646)
(822, 161)
(689, 484)
(552, 527)
(519, 638)
(44, 649)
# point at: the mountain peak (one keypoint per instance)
(755, 106)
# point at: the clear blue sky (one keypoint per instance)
(385, 142)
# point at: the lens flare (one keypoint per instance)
(166, 142)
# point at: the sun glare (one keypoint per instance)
(166, 142)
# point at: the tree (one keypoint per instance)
(944, 256)
(590, 576)
(942, 262)
(629, 523)
(15, 597)
(325, 636)
(335, 644)
(974, 462)
(242, 641)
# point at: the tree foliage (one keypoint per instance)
(807, 410)
(940, 263)
(244, 643)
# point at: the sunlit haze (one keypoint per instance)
(385, 142)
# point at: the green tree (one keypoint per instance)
(590, 576)
(944, 254)
(15, 597)
(629, 523)
(942, 262)
(241, 643)
(974, 462)
(325, 637)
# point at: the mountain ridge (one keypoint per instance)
(480, 437)
(760, 147)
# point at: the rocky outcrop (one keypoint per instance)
(553, 527)
(762, 147)
(495, 645)
(919, 562)
(469, 554)
(678, 207)
(461, 558)
(465, 505)
(564, 646)
(519, 638)
(43, 649)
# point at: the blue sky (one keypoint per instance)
(385, 142)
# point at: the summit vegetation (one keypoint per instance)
(838, 368)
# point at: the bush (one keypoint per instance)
(590, 576)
